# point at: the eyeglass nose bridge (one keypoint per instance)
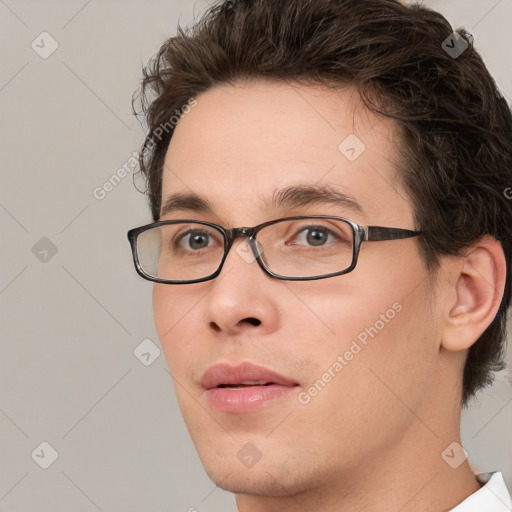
(244, 232)
(234, 233)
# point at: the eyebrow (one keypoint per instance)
(286, 198)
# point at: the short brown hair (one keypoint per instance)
(456, 127)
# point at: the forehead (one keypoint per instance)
(243, 143)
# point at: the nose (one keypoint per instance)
(242, 298)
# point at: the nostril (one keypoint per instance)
(214, 326)
(253, 321)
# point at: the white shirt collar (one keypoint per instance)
(492, 497)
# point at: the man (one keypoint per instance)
(321, 360)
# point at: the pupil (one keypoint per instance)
(197, 241)
(316, 237)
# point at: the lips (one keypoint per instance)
(243, 375)
(244, 388)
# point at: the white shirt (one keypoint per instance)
(492, 497)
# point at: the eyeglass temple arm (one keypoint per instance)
(375, 233)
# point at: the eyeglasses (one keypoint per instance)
(299, 248)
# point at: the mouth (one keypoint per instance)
(244, 388)
(245, 384)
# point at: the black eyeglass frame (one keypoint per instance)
(361, 234)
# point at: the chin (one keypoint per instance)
(275, 475)
(255, 482)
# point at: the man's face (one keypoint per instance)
(235, 149)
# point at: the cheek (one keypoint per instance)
(380, 339)
(176, 323)
(162, 296)
(359, 383)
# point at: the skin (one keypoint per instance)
(372, 439)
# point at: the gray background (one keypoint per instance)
(71, 320)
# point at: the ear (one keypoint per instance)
(479, 288)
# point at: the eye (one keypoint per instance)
(194, 239)
(315, 236)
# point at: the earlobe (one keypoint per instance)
(479, 288)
